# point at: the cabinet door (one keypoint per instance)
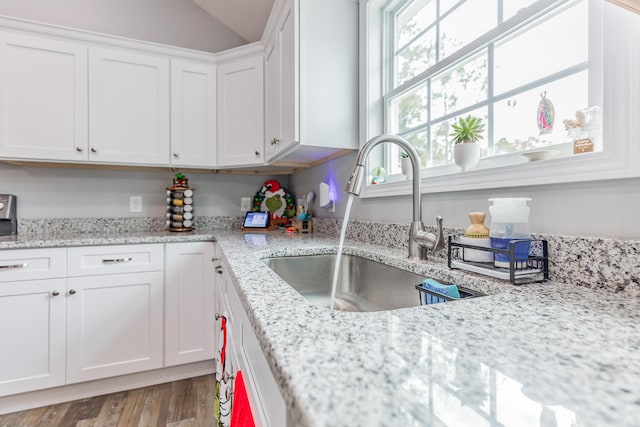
(193, 114)
(32, 333)
(43, 98)
(189, 303)
(281, 78)
(289, 108)
(241, 112)
(272, 98)
(114, 325)
(128, 107)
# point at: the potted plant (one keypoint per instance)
(405, 164)
(466, 132)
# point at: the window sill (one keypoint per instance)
(576, 168)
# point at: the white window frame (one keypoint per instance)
(618, 55)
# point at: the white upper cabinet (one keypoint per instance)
(193, 114)
(128, 107)
(271, 98)
(43, 98)
(311, 78)
(241, 110)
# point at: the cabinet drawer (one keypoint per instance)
(94, 260)
(32, 264)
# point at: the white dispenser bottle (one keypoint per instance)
(510, 221)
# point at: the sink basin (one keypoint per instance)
(363, 285)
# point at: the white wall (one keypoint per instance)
(45, 192)
(598, 209)
(174, 22)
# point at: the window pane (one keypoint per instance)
(441, 142)
(417, 57)
(511, 7)
(419, 141)
(544, 49)
(515, 119)
(409, 110)
(440, 150)
(463, 85)
(413, 19)
(465, 24)
(445, 5)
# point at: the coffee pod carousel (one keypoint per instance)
(180, 205)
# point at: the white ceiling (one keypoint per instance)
(247, 18)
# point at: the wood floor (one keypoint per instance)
(177, 404)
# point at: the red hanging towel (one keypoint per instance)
(223, 351)
(241, 415)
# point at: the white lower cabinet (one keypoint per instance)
(189, 302)
(86, 313)
(32, 332)
(267, 405)
(114, 325)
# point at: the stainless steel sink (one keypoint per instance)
(363, 285)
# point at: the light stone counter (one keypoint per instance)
(47, 240)
(535, 355)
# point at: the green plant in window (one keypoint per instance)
(404, 155)
(467, 129)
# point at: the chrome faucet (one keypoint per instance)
(419, 239)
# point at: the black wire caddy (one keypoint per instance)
(534, 269)
(430, 296)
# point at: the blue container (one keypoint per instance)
(521, 248)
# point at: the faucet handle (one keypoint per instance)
(439, 243)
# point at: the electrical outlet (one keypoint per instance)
(245, 204)
(135, 203)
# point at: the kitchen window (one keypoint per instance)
(427, 63)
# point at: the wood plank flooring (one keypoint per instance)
(186, 403)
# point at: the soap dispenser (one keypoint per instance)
(510, 221)
(477, 234)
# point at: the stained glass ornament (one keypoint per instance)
(546, 114)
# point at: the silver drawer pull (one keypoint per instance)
(13, 266)
(116, 260)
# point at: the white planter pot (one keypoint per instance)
(405, 167)
(466, 155)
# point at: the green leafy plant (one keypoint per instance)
(467, 129)
(179, 175)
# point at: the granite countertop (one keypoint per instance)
(61, 239)
(536, 355)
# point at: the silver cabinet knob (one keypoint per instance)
(176, 155)
(219, 270)
(275, 141)
(218, 316)
(93, 150)
(257, 153)
(72, 291)
(55, 293)
(79, 150)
